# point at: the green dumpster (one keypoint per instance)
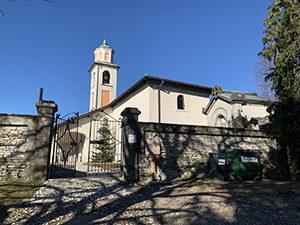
(244, 163)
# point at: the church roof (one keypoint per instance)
(232, 97)
(249, 96)
(147, 80)
(105, 64)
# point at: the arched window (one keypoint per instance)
(100, 56)
(221, 121)
(180, 102)
(106, 77)
(107, 56)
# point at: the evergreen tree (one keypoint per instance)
(282, 50)
(104, 152)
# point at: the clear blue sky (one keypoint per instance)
(50, 46)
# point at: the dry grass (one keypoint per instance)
(13, 193)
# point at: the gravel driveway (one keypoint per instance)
(110, 201)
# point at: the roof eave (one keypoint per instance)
(105, 64)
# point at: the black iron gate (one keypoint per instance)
(105, 149)
(64, 152)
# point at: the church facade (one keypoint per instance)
(161, 100)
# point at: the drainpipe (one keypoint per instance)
(90, 136)
(159, 108)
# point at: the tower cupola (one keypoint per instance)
(104, 53)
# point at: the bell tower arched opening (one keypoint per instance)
(106, 77)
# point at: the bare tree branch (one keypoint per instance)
(2, 12)
(263, 86)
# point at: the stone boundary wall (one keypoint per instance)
(17, 145)
(25, 142)
(184, 149)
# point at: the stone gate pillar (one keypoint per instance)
(45, 113)
(130, 146)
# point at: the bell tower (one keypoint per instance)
(103, 77)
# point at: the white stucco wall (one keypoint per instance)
(83, 130)
(254, 110)
(140, 101)
(147, 102)
(192, 112)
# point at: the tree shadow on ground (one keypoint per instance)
(111, 201)
(264, 202)
(3, 212)
(107, 202)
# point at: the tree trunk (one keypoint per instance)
(293, 154)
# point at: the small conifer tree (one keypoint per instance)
(104, 152)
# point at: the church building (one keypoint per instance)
(161, 100)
